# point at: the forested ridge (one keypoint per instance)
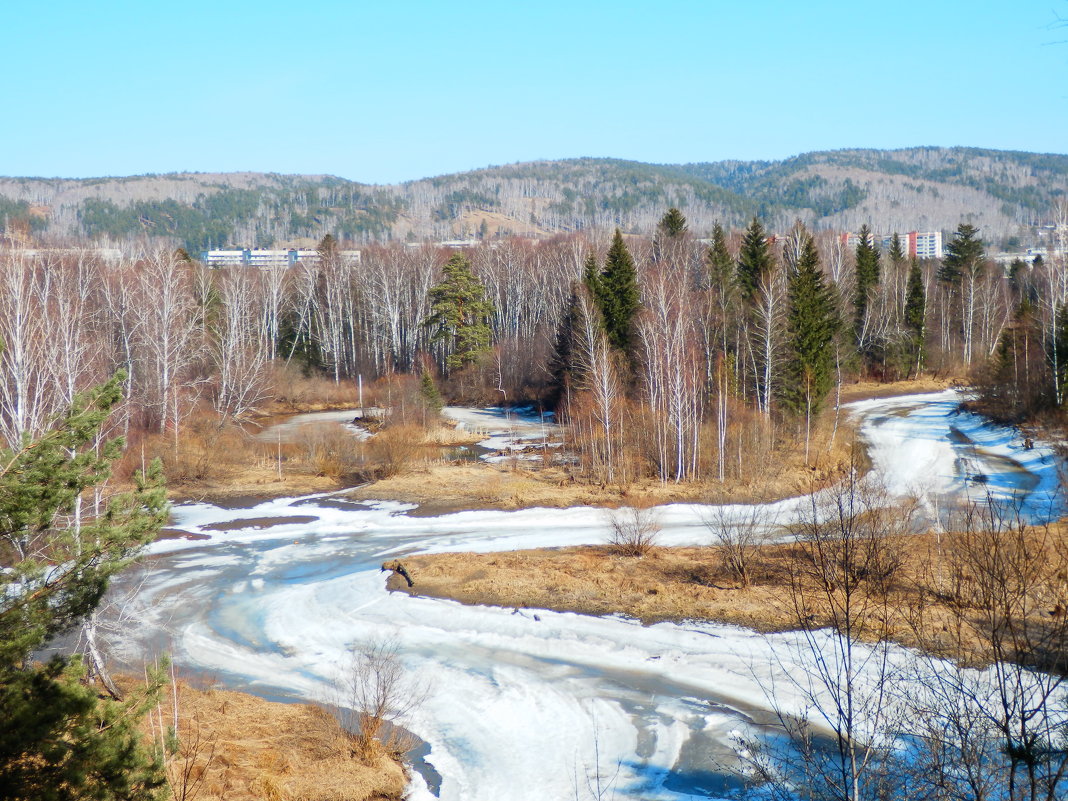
(930, 188)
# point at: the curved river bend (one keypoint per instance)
(523, 705)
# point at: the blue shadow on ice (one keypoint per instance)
(685, 783)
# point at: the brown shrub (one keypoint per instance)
(206, 448)
(392, 449)
(634, 531)
(330, 450)
(292, 389)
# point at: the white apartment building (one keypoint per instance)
(265, 259)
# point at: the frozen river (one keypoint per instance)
(524, 705)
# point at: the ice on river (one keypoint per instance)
(507, 431)
(526, 704)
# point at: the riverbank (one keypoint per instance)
(932, 598)
(232, 746)
(248, 463)
(520, 702)
(440, 486)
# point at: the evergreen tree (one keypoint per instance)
(719, 261)
(897, 252)
(460, 313)
(1060, 362)
(618, 295)
(670, 242)
(1015, 383)
(562, 364)
(58, 740)
(1018, 270)
(428, 390)
(812, 321)
(672, 224)
(754, 259)
(591, 277)
(722, 290)
(916, 315)
(329, 251)
(964, 254)
(867, 277)
(328, 248)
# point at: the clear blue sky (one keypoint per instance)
(382, 92)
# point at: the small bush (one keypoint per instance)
(392, 449)
(332, 451)
(374, 694)
(207, 449)
(290, 388)
(634, 531)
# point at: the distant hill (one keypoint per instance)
(925, 188)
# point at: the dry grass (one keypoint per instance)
(236, 747)
(440, 488)
(223, 462)
(292, 391)
(923, 606)
(863, 390)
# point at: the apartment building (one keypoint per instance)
(921, 244)
(266, 259)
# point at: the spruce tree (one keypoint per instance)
(669, 242)
(719, 261)
(720, 278)
(591, 278)
(428, 390)
(897, 251)
(460, 314)
(672, 224)
(867, 277)
(58, 740)
(964, 254)
(328, 248)
(915, 314)
(618, 295)
(812, 322)
(562, 364)
(754, 259)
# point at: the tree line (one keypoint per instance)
(670, 355)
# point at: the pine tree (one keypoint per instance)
(754, 259)
(618, 294)
(1015, 383)
(459, 314)
(867, 278)
(812, 322)
(916, 314)
(962, 266)
(58, 740)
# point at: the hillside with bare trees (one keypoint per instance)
(1003, 193)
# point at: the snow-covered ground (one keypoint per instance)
(524, 704)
